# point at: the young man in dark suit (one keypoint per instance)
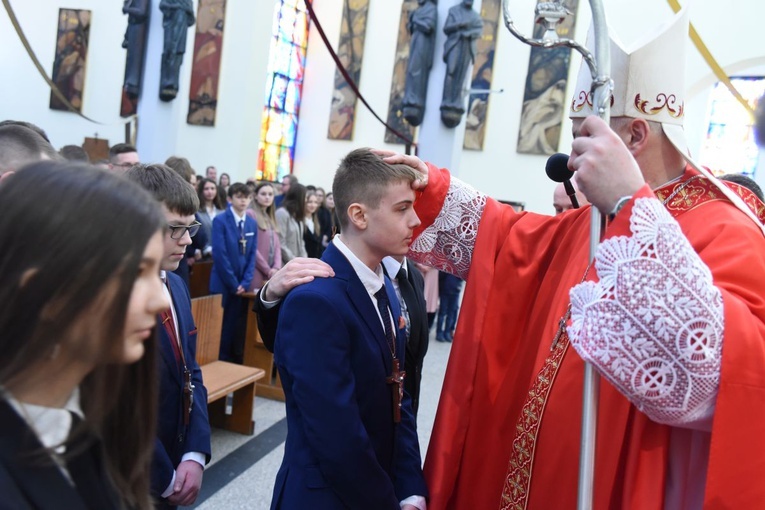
(183, 430)
(234, 242)
(340, 348)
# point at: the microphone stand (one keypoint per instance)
(551, 14)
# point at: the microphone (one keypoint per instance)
(556, 169)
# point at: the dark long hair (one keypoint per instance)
(294, 202)
(73, 238)
(200, 193)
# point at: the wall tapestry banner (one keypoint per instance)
(70, 57)
(398, 81)
(478, 104)
(544, 100)
(350, 50)
(205, 70)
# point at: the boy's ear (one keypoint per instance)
(357, 214)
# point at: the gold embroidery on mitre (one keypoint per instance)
(584, 98)
(662, 101)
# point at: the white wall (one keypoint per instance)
(730, 30)
(730, 35)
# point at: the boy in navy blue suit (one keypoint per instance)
(340, 347)
(183, 430)
(234, 242)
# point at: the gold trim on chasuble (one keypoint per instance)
(678, 198)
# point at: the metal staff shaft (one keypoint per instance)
(591, 388)
(551, 14)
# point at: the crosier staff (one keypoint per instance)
(551, 14)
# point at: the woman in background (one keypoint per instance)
(312, 231)
(210, 206)
(268, 257)
(290, 218)
(224, 182)
(78, 369)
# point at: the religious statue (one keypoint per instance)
(178, 16)
(463, 27)
(135, 44)
(422, 27)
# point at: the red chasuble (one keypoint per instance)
(507, 429)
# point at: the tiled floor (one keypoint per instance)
(242, 472)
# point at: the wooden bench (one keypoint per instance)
(220, 377)
(199, 278)
(256, 355)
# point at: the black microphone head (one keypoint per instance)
(557, 168)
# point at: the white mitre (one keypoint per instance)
(649, 83)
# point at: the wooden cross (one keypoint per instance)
(396, 380)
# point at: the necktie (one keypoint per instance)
(241, 228)
(169, 324)
(383, 306)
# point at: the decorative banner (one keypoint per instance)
(398, 81)
(351, 51)
(545, 101)
(70, 57)
(478, 104)
(205, 70)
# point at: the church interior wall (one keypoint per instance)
(729, 29)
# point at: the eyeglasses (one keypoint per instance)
(177, 231)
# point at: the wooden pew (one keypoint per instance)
(220, 377)
(199, 279)
(256, 355)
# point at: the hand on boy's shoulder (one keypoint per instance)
(296, 272)
(394, 158)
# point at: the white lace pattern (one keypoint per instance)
(653, 324)
(448, 243)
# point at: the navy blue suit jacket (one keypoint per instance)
(231, 267)
(30, 480)
(343, 449)
(173, 438)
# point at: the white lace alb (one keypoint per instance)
(448, 243)
(653, 323)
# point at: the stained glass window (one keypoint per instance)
(276, 151)
(729, 146)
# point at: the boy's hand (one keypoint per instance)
(240, 290)
(296, 272)
(188, 481)
(394, 158)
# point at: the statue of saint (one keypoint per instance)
(463, 27)
(178, 16)
(422, 27)
(135, 43)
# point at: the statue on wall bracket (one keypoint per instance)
(135, 44)
(422, 27)
(462, 28)
(177, 17)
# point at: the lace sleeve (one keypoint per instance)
(448, 243)
(653, 324)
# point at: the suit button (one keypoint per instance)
(180, 438)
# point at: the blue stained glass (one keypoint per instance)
(286, 65)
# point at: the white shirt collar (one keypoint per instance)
(372, 280)
(51, 424)
(236, 216)
(392, 266)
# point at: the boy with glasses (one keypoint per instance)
(234, 242)
(183, 430)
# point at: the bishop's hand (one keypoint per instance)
(394, 158)
(605, 168)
